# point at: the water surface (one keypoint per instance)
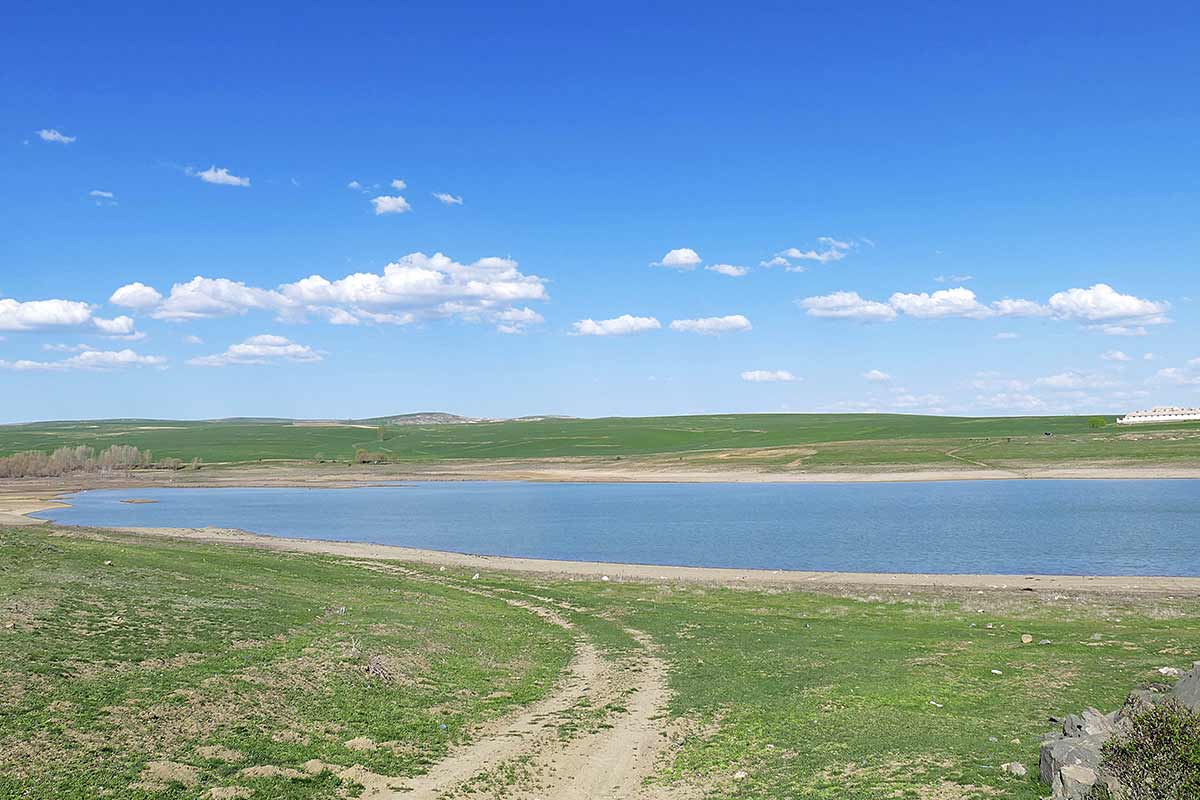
(1101, 527)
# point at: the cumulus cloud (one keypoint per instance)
(957, 302)
(683, 258)
(617, 326)
(219, 176)
(516, 320)
(390, 204)
(93, 360)
(417, 286)
(398, 185)
(776, 261)
(877, 376)
(768, 376)
(136, 295)
(1177, 377)
(34, 315)
(102, 197)
(847, 305)
(262, 349)
(954, 278)
(1100, 307)
(1102, 303)
(192, 340)
(1115, 355)
(727, 269)
(447, 199)
(52, 135)
(355, 186)
(712, 325)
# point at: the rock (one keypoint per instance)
(1187, 691)
(1070, 751)
(108, 563)
(1014, 768)
(740, 775)
(475, 577)
(1095, 723)
(1074, 782)
(997, 672)
(1026, 638)
(1072, 725)
(1097, 637)
(1044, 641)
(604, 578)
(1170, 672)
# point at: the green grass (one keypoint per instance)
(176, 646)
(839, 440)
(172, 648)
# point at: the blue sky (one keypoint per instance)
(886, 177)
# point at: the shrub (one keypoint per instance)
(1158, 757)
(1097, 422)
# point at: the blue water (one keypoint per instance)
(1149, 527)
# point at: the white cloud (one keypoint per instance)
(768, 376)
(415, 287)
(775, 261)
(712, 325)
(877, 376)
(847, 305)
(957, 302)
(1072, 379)
(1100, 307)
(1003, 336)
(1115, 355)
(219, 176)
(102, 197)
(67, 348)
(831, 250)
(262, 349)
(684, 258)
(52, 135)
(954, 278)
(398, 185)
(617, 326)
(136, 295)
(1102, 303)
(203, 297)
(92, 360)
(1178, 377)
(34, 315)
(1015, 401)
(448, 199)
(727, 269)
(385, 204)
(192, 340)
(356, 186)
(516, 320)
(121, 326)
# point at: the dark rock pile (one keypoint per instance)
(1071, 759)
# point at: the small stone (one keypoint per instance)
(1014, 768)
(108, 563)
(604, 578)
(935, 703)
(1170, 672)
(475, 577)
(997, 672)
(741, 774)
(1096, 637)
(1026, 638)
(1044, 641)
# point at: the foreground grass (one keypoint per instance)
(175, 647)
(816, 441)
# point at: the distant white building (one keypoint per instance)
(1161, 414)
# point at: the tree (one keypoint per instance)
(1097, 422)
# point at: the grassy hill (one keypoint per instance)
(756, 439)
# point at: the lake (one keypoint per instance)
(1101, 527)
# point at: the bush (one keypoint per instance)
(1097, 422)
(1158, 757)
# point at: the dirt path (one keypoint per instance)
(597, 735)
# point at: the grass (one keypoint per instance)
(175, 647)
(761, 440)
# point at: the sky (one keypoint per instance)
(598, 209)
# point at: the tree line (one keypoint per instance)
(71, 460)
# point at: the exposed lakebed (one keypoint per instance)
(1102, 527)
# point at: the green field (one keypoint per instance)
(214, 659)
(836, 440)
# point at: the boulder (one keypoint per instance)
(1187, 690)
(1070, 751)
(1074, 782)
